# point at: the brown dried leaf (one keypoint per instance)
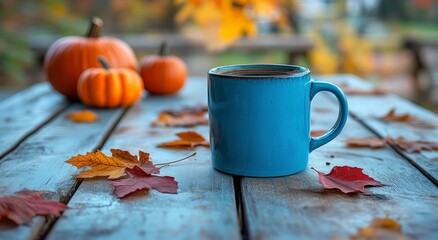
(187, 139)
(347, 89)
(372, 91)
(83, 116)
(391, 116)
(370, 142)
(196, 110)
(321, 110)
(189, 120)
(381, 228)
(413, 146)
(317, 133)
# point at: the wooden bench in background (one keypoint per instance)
(294, 46)
(422, 66)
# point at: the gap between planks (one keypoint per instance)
(396, 149)
(240, 209)
(47, 227)
(33, 131)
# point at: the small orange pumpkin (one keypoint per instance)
(68, 57)
(163, 74)
(109, 87)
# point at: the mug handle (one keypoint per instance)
(315, 87)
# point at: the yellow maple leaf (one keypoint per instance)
(102, 165)
(115, 166)
(83, 116)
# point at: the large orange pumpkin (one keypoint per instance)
(163, 74)
(68, 57)
(109, 87)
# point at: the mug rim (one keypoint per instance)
(302, 70)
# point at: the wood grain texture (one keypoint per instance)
(204, 207)
(38, 162)
(368, 109)
(297, 206)
(24, 112)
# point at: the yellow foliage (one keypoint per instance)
(352, 54)
(224, 21)
(322, 59)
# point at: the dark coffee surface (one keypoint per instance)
(258, 72)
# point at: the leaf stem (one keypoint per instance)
(169, 163)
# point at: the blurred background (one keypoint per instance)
(393, 44)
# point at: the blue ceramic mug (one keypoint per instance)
(260, 116)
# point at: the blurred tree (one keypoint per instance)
(338, 46)
(221, 22)
(17, 21)
(20, 19)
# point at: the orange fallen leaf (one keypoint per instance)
(381, 228)
(83, 116)
(413, 146)
(391, 116)
(370, 142)
(23, 206)
(113, 166)
(317, 133)
(187, 139)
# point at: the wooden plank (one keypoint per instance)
(204, 207)
(38, 162)
(297, 207)
(368, 109)
(25, 112)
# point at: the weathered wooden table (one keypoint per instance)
(36, 138)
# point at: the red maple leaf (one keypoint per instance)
(139, 179)
(23, 206)
(347, 179)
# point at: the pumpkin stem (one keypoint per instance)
(164, 50)
(95, 26)
(102, 60)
